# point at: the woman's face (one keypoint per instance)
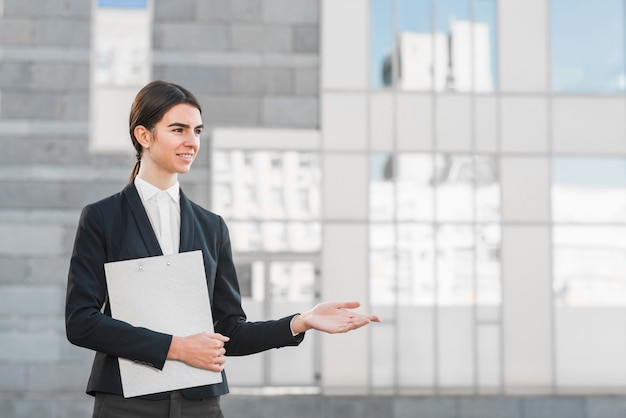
(174, 142)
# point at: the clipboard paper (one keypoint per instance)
(167, 294)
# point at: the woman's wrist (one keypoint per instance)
(298, 324)
(174, 351)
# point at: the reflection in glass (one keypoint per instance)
(270, 199)
(454, 177)
(274, 235)
(381, 42)
(453, 20)
(414, 47)
(291, 288)
(383, 365)
(251, 278)
(245, 236)
(456, 53)
(299, 237)
(488, 283)
(455, 265)
(415, 187)
(589, 189)
(589, 266)
(249, 370)
(485, 46)
(292, 281)
(487, 182)
(382, 187)
(488, 355)
(403, 258)
(382, 280)
(303, 237)
(122, 43)
(266, 185)
(416, 265)
(590, 60)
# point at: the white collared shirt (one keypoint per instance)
(170, 243)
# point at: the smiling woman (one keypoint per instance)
(152, 217)
(171, 114)
(171, 146)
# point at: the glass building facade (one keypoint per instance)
(490, 137)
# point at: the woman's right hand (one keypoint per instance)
(204, 350)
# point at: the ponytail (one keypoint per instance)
(134, 171)
(138, 154)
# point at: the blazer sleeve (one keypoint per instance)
(87, 316)
(230, 319)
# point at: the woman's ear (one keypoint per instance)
(142, 135)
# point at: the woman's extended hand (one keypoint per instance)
(332, 317)
(204, 350)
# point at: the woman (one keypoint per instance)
(165, 125)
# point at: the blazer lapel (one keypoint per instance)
(186, 224)
(141, 218)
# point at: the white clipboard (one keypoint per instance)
(167, 294)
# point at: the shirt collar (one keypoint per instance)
(147, 191)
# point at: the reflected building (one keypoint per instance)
(458, 61)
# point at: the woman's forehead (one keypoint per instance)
(183, 113)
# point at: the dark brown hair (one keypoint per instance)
(150, 105)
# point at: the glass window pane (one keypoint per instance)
(456, 347)
(413, 16)
(454, 177)
(381, 43)
(488, 356)
(414, 45)
(488, 250)
(455, 265)
(304, 237)
(292, 289)
(122, 44)
(274, 236)
(415, 187)
(487, 175)
(120, 64)
(585, 334)
(457, 52)
(589, 189)
(382, 265)
(415, 334)
(266, 185)
(453, 52)
(250, 370)
(292, 283)
(589, 266)
(416, 265)
(382, 187)
(485, 46)
(382, 365)
(589, 60)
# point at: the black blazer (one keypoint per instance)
(118, 228)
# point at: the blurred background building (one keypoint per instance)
(459, 166)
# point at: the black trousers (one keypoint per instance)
(114, 406)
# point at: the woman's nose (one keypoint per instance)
(192, 139)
